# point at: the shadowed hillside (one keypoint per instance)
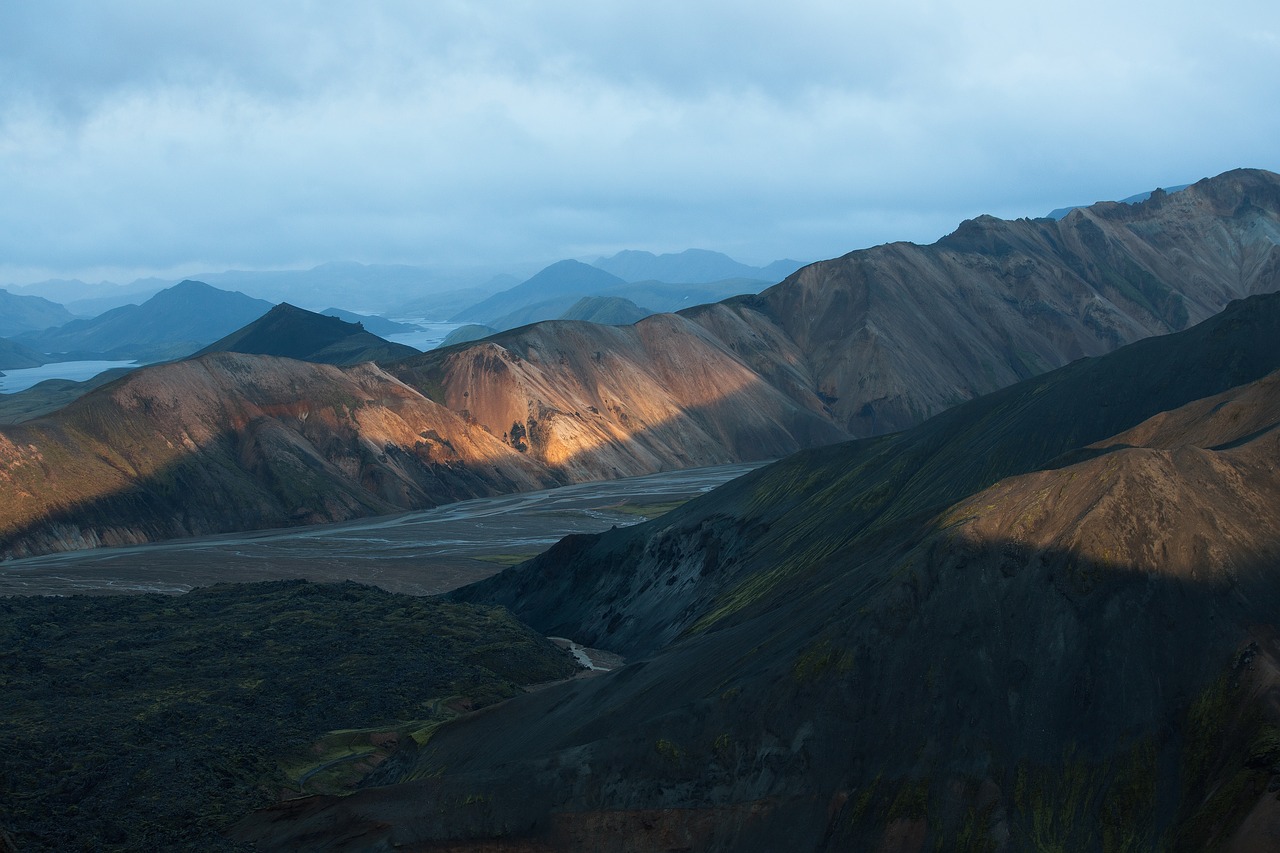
(1042, 620)
(147, 722)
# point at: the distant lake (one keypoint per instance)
(429, 338)
(78, 371)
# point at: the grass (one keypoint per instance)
(507, 559)
(151, 722)
(649, 511)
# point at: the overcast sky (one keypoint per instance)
(141, 137)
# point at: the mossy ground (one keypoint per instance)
(151, 722)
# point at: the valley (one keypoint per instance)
(420, 553)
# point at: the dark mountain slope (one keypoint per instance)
(173, 323)
(591, 592)
(238, 442)
(1080, 657)
(292, 332)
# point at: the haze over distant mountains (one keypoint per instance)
(872, 342)
(29, 313)
(175, 322)
(690, 266)
(402, 290)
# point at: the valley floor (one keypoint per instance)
(420, 553)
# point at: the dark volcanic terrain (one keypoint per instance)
(1043, 620)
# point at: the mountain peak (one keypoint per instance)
(292, 332)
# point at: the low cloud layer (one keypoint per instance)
(150, 136)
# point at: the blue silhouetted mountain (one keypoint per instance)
(563, 278)
(609, 310)
(371, 322)
(293, 332)
(15, 356)
(175, 322)
(20, 314)
(555, 290)
(466, 334)
(1060, 212)
(691, 266)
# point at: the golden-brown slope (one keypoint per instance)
(229, 442)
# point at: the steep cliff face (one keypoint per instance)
(234, 442)
(954, 637)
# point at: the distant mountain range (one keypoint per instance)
(173, 323)
(1039, 620)
(557, 288)
(692, 266)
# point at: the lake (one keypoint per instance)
(78, 371)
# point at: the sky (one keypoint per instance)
(141, 138)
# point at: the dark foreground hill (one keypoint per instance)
(292, 332)
(147, 722)
(1044, 620)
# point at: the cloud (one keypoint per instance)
(148, 135)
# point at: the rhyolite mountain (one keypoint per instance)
(236, 442)
(292, 332)
(1042, 620)
(882, 338)
(29, 313)
(1060, 212)
(175, 322)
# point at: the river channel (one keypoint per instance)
(420, 553)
